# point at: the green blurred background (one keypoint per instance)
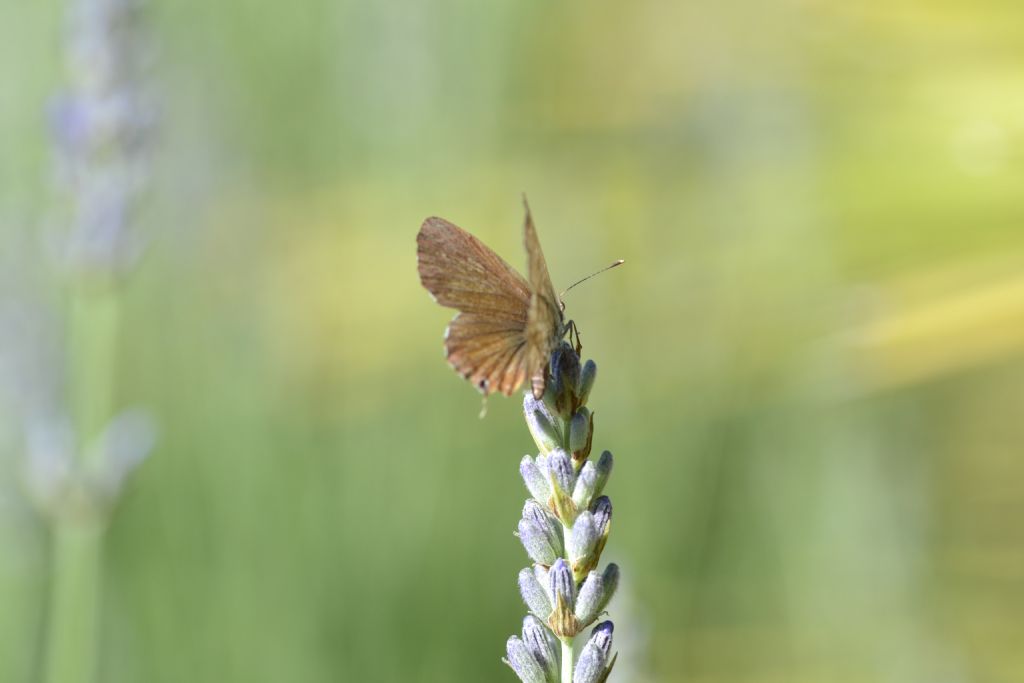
(811, 367)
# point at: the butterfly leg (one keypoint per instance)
(572, 329)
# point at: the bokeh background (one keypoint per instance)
(811, 367)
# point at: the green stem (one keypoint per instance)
(74, 603)
(567, 660)
(73, 625)
(94, 318)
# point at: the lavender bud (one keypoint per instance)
(581, 540)
(536, 481)
(601, 637)
(586, 486)
(602, 509)
(580, 434)
(565, 374)
(561, 470)
(610, 579)
(596, 593)
(535, 543)
(562, 477)
(540, 518)
(563, 587)
(518, 657)
(543, 645)
(533, 593)
(540, 573)
(593, 665)
(542, 424)
(604, 470)
(588, 602)
(568, 367)
(587, 377)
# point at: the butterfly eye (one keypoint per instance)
(482, 385)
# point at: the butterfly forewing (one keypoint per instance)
(486, 342)
(544, 314)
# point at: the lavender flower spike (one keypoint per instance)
(564, 527)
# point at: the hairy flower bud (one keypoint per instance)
(565, 373)
(586, 486)
(540, 533)
(587, 377)
(536, 597)
(563, 587)
(610, 579)
(543, 645)
(604, 470)
(581, 433)
(536, 479)
(522, 661)
(581, 542)
(544, 427)
(602, 510)
(593, 665)
(561, 470)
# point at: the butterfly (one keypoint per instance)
(507, 326)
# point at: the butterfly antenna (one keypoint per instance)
(617, 263)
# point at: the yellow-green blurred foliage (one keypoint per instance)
(811, 367)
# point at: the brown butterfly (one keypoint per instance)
(507, 326)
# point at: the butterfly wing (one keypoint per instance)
(544, 314)
(486, 341)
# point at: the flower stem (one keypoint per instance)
(74, 602)
(78, 526)
(94, 316)
(567, 644)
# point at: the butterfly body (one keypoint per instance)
(507, 325)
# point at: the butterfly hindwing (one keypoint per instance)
(485, 342)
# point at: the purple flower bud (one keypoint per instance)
(543, 645)
(582, 539)
(586, 485)
(561, 469)
(610, 579)
(588, 602)
(604, 470)
(587, 377)
(565, 374)
(602, 509)
(518, 657)
(562, 583)
(601, 637)
(533, 593)
(544, 427)
(580, 433)
(593, 665)
(536, 542)
(563, 588)
(536, 481)
(540, 518)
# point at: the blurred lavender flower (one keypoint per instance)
(78, 456)
(102, 129)
(564, 527)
